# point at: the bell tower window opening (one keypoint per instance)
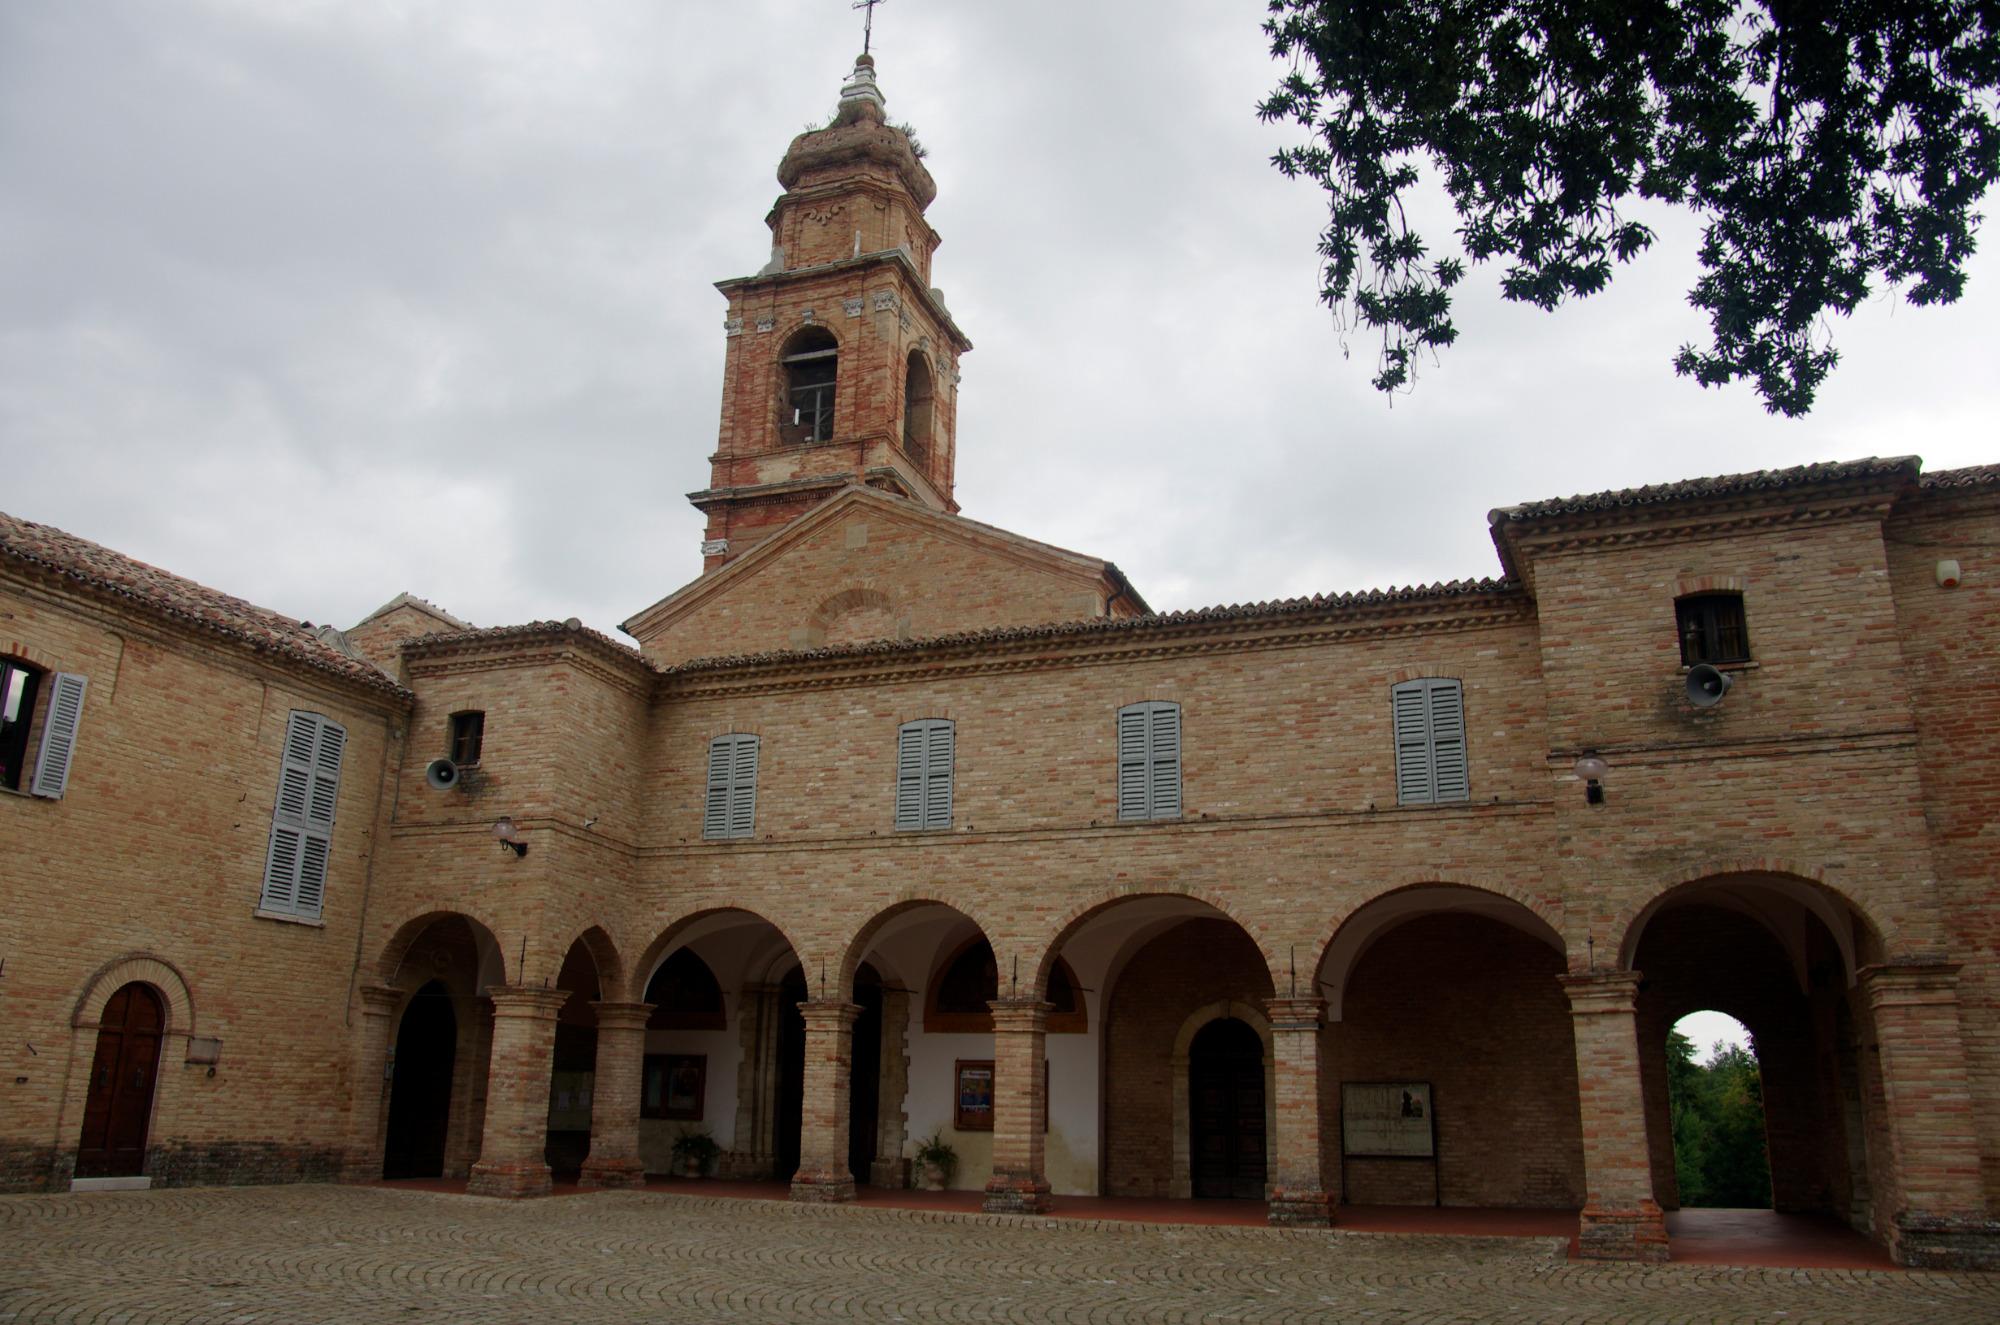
(811, 361)
(918, 392)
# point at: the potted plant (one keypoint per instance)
(695, 1152)
(936, 1160)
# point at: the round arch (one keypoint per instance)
(1775, 894)
(871, 930)
(640, 974)
(1181, 1183)
(485, 937)
(1359, 929)
(1078, 918)
(146, 968)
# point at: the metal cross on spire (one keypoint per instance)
(868, 24)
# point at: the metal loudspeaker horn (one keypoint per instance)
(1706, 685)
(441, 773)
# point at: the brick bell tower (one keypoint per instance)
(842, 364)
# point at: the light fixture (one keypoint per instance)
(1947, 573)
(1592, 770)
(509, 836)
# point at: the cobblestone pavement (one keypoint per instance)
(355, 1255)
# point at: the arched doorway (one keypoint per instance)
(420, 1087)
(1226, 1139)
(122, 1075)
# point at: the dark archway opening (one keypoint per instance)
(788, 1105)
(573, 1071)
(1226, 1141)
(123, 1073)
(864, 1099)
(420, 1086)
(917, 395)
(1715, 1093)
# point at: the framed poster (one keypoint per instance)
(674, 1086)
(972, 1095)
(1390, 1119)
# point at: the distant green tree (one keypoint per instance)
(1720, 1158)
(1827, 147)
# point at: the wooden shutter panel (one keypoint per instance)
(58, 736)
(1447, 721)
(1164, 759)
(743, 787)
(715, 812)
(910, 777)
(1132, 763)
(1413, 746)
(937, 774)
(302, 816)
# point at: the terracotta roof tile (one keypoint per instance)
(1978, 476)
(1726, 485)
(111, 574)
(444, 639)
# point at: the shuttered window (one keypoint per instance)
(58, 735)
(731, 810)
(1149, 761)
(1430, 741)
(923, 774)
(302, 819)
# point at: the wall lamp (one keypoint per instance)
(509, 836)
(1592, 770)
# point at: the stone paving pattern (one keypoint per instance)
(358, 1255)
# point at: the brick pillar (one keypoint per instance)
(823, 1174)
(1938, 1216)
(1621, 1221)
(1020, 1107)
(379, 1004)
(1298, 1186)
(517, 1093)
(614, 1104)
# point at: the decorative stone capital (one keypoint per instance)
(380, 1000)
(531, 1001)
(831, 1014)
(622, 1016)
(1020, 1016)
(1902, 984)
(1598, 993)
(1295, 1014)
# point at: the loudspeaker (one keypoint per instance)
(441, 773)
(1707, 685)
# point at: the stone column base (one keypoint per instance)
(612, 1173)
(509, 1180)
(1945, 1242)
(822, 1188)
(1623, 1235)
(893, 1173)
(1301, 1208)
(1016, 1196)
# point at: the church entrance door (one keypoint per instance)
(122, 1074)
(1226, 1111)
(420, 1093)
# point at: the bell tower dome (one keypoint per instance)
(842, 364)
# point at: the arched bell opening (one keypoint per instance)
(918, 393)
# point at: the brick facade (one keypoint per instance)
(1812, 854)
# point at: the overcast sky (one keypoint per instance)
(319, 302)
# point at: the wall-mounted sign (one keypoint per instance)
(1387, 1118)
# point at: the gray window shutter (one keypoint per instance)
(731, 806)
(1429, 718)
(1149, 761)
(743, 788)
(58, 736)
(923, 774)
(302, 818)
(1132, 764)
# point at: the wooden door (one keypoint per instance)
(1226, 1111)
(420, 1092)
(122, 1076)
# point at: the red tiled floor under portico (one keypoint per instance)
(1698, 1237)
